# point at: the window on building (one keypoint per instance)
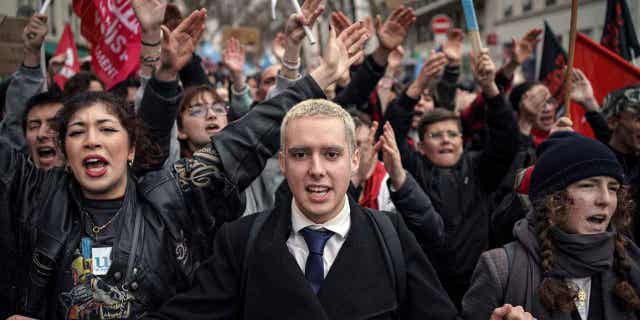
(507, 8)
(527, 5)
(550, 2)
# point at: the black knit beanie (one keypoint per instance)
(518, 91)
(567, 157)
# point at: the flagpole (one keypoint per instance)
(43, 58)
(472, 26)
(572, 48)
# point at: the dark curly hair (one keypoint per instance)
(554, 293)
(148, 154)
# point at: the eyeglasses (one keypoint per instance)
(200, 109)
(439, 135)
(549, 102)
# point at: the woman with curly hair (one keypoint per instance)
(571, 258)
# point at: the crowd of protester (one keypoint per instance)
(328, 192)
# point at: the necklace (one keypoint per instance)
(96, 229)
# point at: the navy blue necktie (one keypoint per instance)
(314, 269)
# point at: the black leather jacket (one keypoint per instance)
(168, 220)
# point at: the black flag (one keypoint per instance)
(554, 59)
(619, 35)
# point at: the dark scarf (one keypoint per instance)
(575, 256)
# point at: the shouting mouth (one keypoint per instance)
(46, 153)
(95, 166)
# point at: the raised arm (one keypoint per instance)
(161, 99)
(409, 199)
(446, 87)
(233, 57)
(498, 153)
(391, 35)
(245, 145)
(25, 83)
(582, 93)
(400, 112)
(213, 178)
(287, 45)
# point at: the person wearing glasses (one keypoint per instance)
(459, 183)
(202, 114)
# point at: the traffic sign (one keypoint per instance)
(440, 24)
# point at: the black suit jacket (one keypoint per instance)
(358, 285)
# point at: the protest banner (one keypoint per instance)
(248, 37)
(67, 46)
(113, 30)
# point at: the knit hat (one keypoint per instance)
(566, 157)
(518, 91)
(625, 99)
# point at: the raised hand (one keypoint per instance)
(484, 71)
(582, 91)
(562, 124)
(391, 157)
(432, 68)
(393, 32)
(33, 36)
(150, 14)
(278, 45)
(340, 53)
(452, 48)
(294, 31)
(368, 157)
(523, 48)
(178, 45)
(233, 56)
(34, 33)
(341, 22)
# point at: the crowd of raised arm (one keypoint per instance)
(339, 188)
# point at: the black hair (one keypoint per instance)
(148, 153)
(79, 83)
(40, 99)
(434, 116)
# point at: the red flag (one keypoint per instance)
(607, 72)
(67, 46)
(114, 33)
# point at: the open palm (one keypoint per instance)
(150, 13)
(393, 32)
(233, 56)
(178, 45)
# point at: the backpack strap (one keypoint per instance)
(394, 257)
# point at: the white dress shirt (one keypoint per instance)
(339, 225)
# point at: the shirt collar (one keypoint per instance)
(339, 224)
